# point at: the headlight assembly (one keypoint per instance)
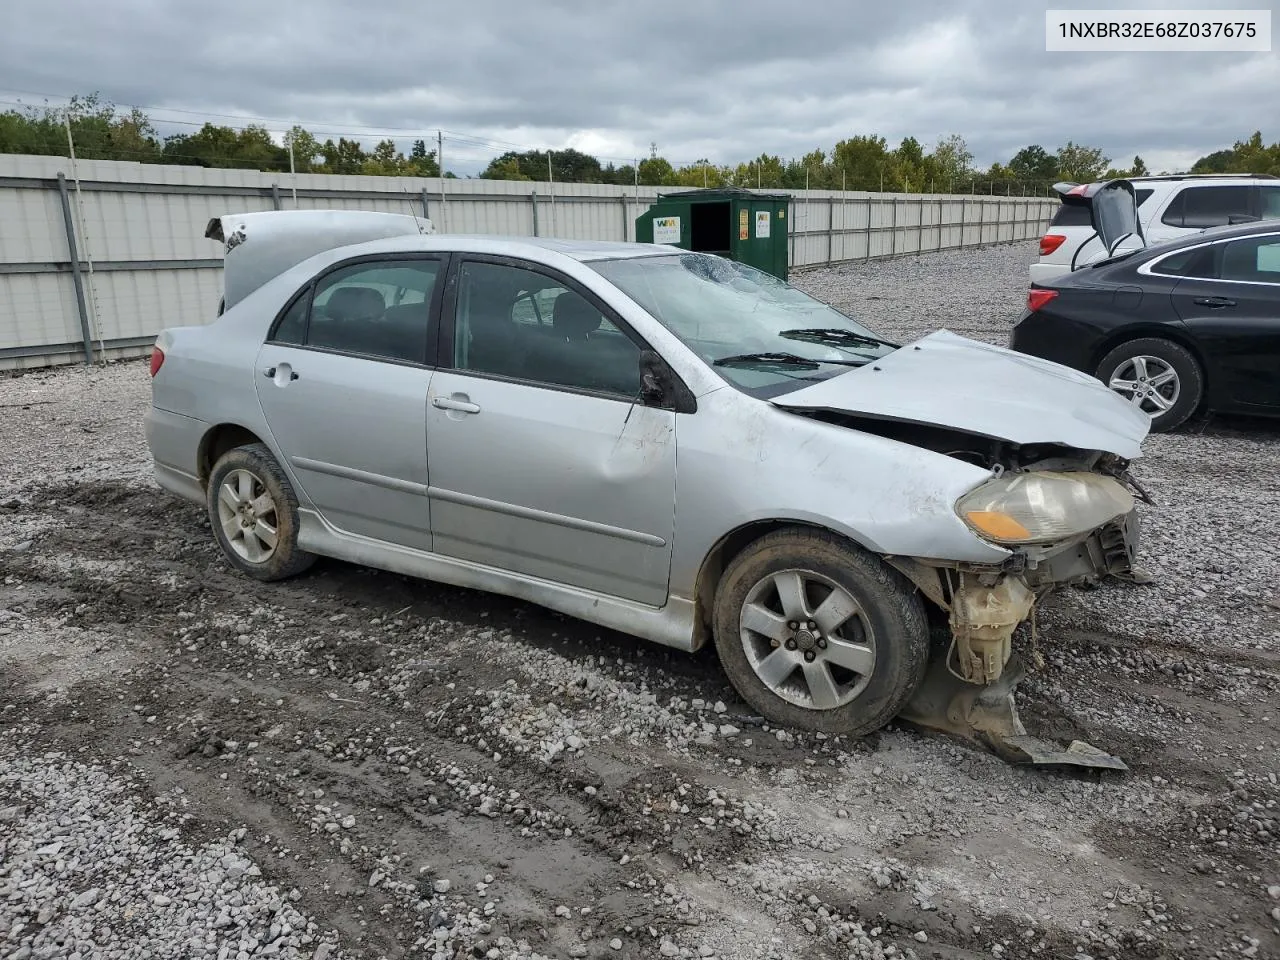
(1043, 506)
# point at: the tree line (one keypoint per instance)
(861, 162)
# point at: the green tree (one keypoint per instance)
(1034, 163)
(862, 160)
(698, 174)
(1220, 161)
(344, 157)
(655, 172)
(567, 166)
(424, 162)
(951, 162)
(1081, 164)
(306, 150)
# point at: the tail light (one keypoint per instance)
(1036, 298)
(157, 359)
(1051, 242)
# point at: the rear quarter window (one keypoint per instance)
(1196, 262)
(1069, 215)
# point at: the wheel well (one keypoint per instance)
(1156, 332)
(216, 442)
(718, 559)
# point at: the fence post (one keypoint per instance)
(831, 229)
(941, 210)
(893, 229)
(75, 269)
(626, 220)
(868, 257)
(275, 196)
(425, 214)
(534, 198)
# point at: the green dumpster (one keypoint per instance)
(739, 224)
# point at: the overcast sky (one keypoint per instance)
(724, 80)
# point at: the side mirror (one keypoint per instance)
(660, 387)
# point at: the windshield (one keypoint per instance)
(758, 333)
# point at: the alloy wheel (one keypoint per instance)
(247, 512)
(1149, 383)
(808, 639)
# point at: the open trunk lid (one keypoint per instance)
(1113, 211)
(260, 246)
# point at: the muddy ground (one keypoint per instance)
(413, 769)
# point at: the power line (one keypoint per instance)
(332, 129)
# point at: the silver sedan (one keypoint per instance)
(665, 443)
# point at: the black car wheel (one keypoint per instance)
(1159, 377)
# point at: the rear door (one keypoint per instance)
(343, 381)
(1233, 310)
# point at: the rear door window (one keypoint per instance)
(1269, 197)
(379, 309)
(1210, 206)
(1253, 259)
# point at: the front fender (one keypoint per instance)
(748, 462)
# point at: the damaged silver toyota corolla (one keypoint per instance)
(669, 444)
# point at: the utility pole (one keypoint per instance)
(444, 211)
(551, 180)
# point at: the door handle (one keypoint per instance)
(270, 373)
(1217, 303)
(452, 403)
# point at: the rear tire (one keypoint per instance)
(1173, 386)
(816, 634)
(254, 514)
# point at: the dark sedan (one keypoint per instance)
(1185, 326)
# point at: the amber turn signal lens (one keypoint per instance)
(998, 526)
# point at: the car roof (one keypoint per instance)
(1204, 176)
(581, 250)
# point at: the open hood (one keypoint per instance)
(1113, 210)
(951, 381)
(260, 246)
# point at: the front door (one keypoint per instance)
(343, 384)
(1236, 319)
(543, 460)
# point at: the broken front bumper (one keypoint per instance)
(968, 688)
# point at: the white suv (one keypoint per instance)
(1168, 208)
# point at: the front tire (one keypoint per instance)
(816, 634)
(1159, 377)
(254, 514)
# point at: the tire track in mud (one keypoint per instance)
(466, 734)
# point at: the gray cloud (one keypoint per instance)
(721, 80)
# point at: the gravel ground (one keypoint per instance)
(358, 764)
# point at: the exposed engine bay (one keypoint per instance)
(968, 691)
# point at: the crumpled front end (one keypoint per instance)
(968, 691)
